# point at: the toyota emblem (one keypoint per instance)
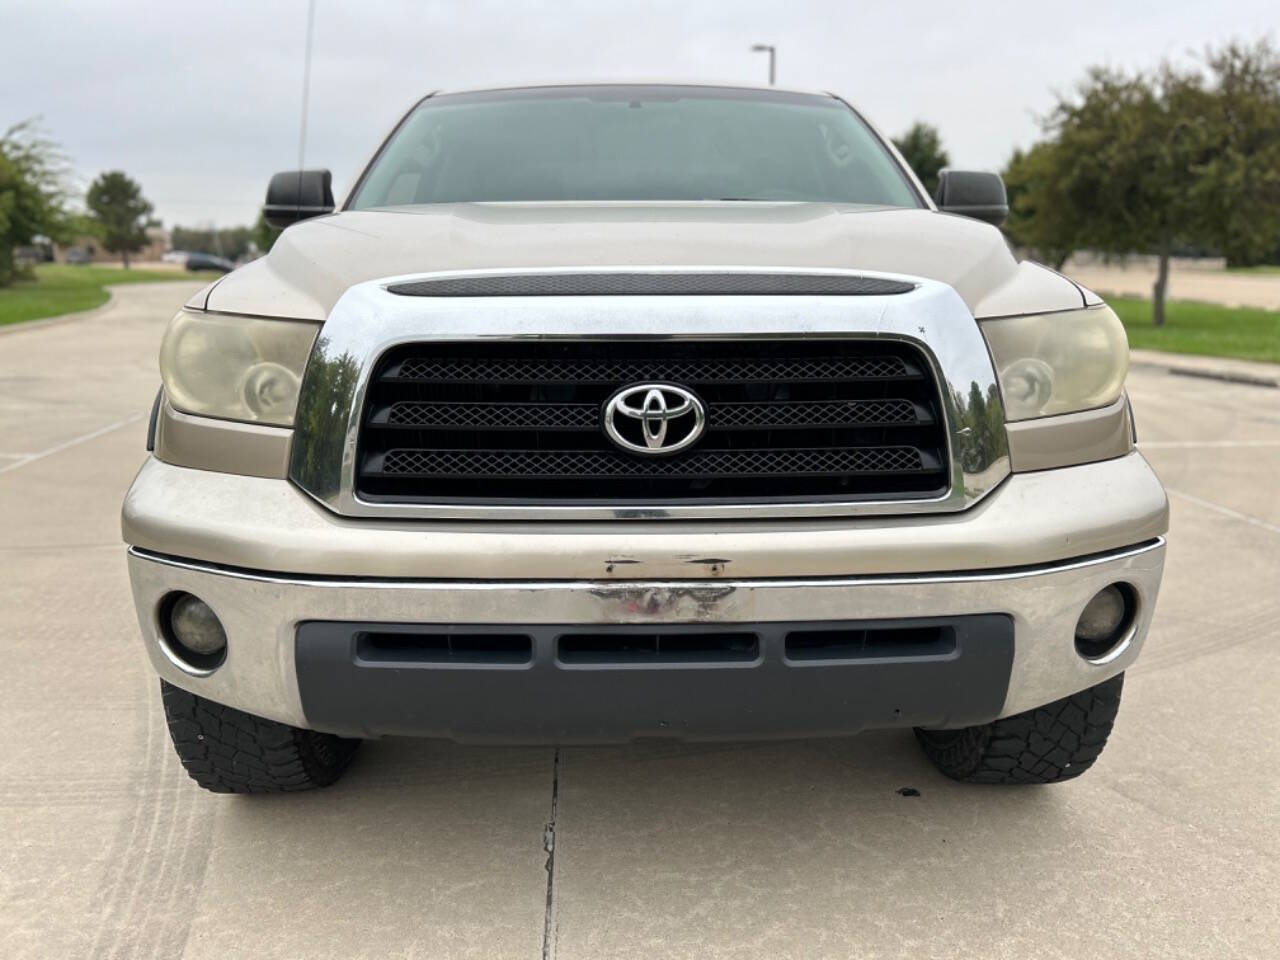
(654, 418)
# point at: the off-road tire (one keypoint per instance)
(229, 751)
(1056, 742)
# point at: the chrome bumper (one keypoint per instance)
(267, 558)
(261, 613)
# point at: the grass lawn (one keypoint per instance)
(1262, 270)
(59, 289)
(1202, 328)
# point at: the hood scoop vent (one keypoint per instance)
(598, 284)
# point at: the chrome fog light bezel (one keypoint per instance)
(180, 654)
(1106, 649)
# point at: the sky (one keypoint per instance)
(201, 103)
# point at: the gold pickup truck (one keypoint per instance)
(603, 412)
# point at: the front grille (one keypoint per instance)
(520, 422)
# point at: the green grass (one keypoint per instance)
(1202, 328)
(58, 289)
(1262, 269)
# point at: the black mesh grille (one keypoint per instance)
(586, 416)
(520, 422)
(458, 369)
(490, 416)
(704, 463)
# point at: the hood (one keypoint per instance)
(314, 262)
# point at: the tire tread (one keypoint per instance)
(226, 750)
(1049, 744)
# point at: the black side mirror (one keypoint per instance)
(297, 195)
(972, 193)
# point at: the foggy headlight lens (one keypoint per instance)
(236, 368)
(1058, 362)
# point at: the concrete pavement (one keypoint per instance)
(1169, 847)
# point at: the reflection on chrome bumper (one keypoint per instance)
(261, 613)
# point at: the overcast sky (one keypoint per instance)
(200, 102)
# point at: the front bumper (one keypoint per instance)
(268, 560)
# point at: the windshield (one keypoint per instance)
(633, 143)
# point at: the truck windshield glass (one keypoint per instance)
(633, 143)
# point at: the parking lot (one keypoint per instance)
(1169, 847)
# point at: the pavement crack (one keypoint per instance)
(549, 845)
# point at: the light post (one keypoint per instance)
(770, 49)
(306, 85)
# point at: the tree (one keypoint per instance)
(921, 147)
(32, 192)
(1238, 188)
(1156, 162)
(1042, 219)
(122, 212)
(1125, 152)
(264, 234)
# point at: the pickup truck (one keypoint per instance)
(607, 412)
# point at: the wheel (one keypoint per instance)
(1049, 744)
(229, 751)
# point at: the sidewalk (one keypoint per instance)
(1213, 368)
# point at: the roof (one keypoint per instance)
(656, 82)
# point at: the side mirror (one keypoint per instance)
(972, 193)
(297, 195)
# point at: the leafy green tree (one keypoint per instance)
(264, 234)
(33, 192)
(1238, 185)
(1126, 151)
(1042, 219)
(921, 147)
(1156, 162)
(122, 212)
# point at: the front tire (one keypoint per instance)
(1049, 744)
(229, 751)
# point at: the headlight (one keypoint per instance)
(1058, 362)
(236, 368)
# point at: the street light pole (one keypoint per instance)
(770, 49)
(306, 85)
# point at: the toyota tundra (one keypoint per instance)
(606, 412)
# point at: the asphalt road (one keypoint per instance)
(1169, 847)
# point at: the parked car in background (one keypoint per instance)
(79, 256)
(602, 412)
(207, 261)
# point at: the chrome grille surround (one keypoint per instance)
(368, 320)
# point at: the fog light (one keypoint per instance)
(1105, 621)
(193, 633)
